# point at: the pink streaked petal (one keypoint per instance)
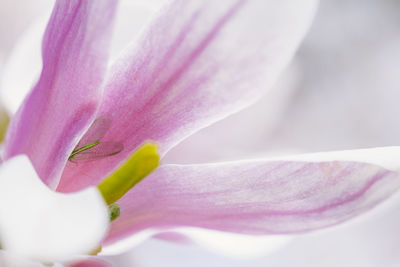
(62, 104)
(198, 62)
(262, 196)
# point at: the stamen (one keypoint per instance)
(140, 164)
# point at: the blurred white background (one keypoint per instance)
(341, 92)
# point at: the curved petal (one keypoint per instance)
(258, 125)
(62, 104)
(24, 60)
(228, 244)
(197, 63)
(90, 262)
(262, 196)
(40, 224)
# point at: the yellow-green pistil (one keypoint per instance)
(140, 164)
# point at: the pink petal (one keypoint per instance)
(90, 262)
(62, 104)
(258, 197)
(197, 63)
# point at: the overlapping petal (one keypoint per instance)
(62, 104)
(42, 225)
(198, 62)
(277, 196)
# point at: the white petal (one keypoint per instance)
(8, 259)
(23, 67)
(44, 225)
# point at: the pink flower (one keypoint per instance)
(198, 62)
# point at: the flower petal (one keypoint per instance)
(8, 259)
(62, 104)
(229, 244)
(258, 124)
(24, 60)
(197, 63)
(261, 196)
(40, 224)
(90, 262)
